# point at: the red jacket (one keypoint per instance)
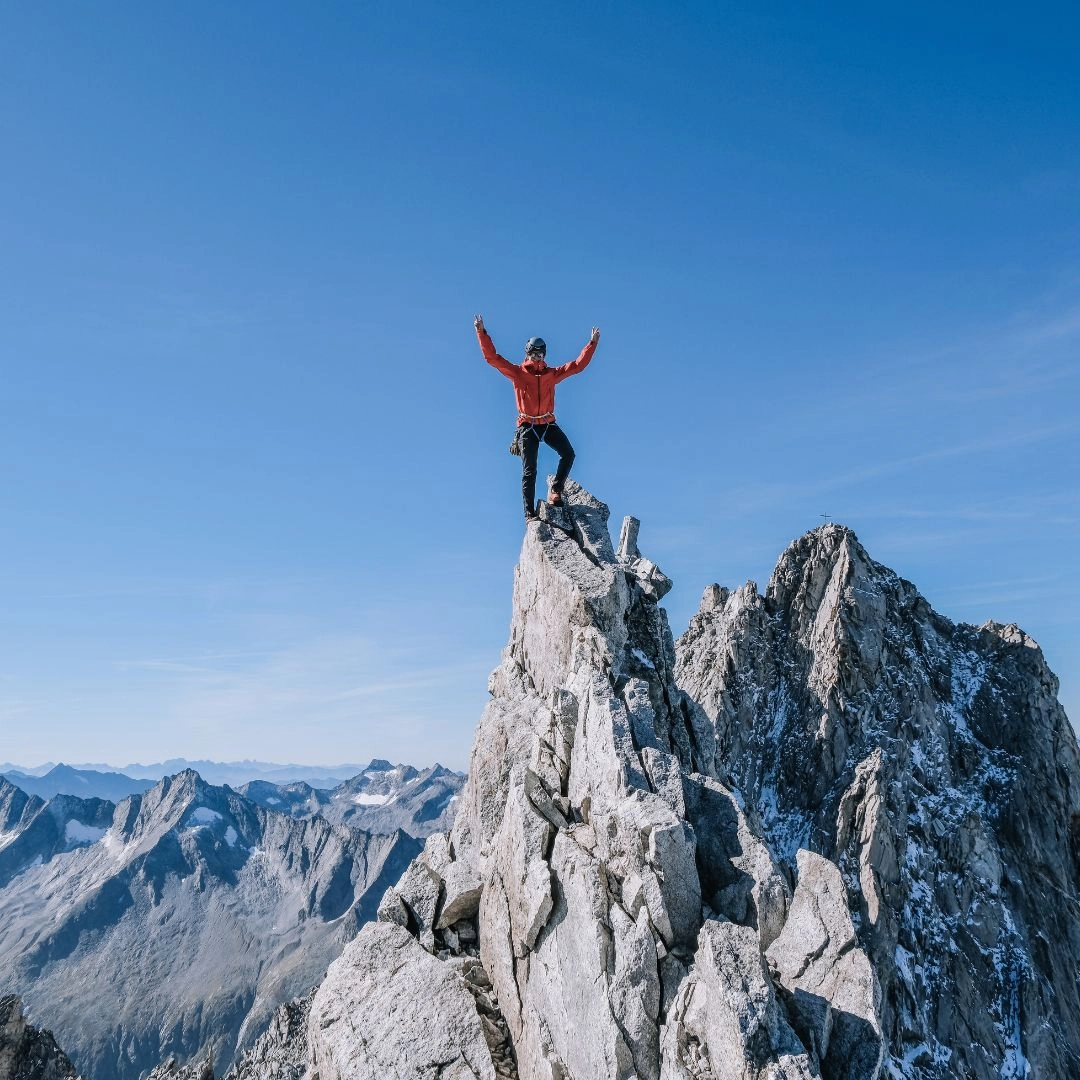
(534, 382)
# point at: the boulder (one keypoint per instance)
(389, 1008)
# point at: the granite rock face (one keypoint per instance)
(934, 765)
(605, 906)
(397, 1011)
(27, 1053)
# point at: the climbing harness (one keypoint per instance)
(515, 444)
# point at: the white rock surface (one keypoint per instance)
(389, 1008)
(610, 897)
(726, 1023)
(835, 997)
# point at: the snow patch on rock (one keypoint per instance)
(75, 832)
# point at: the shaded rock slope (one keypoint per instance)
(26, 1053)
(933, 763)
(605, 904)
(175, 922)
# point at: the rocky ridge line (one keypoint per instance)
(381, 799)
(934, 764)
(604, 905)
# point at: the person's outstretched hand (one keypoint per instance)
(478, 322)
(595, 335)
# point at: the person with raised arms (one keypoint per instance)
(534, 387)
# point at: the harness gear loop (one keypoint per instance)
(515, 445)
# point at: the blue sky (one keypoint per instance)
(256, 490)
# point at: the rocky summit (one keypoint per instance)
(606, 905)
(933, 764)
(828, 834)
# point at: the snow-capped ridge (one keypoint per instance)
(382, 799)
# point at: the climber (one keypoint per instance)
(534, 387)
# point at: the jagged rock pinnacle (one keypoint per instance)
(603, 906)
(934, 765)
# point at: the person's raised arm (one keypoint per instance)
(487, 347)
(582, 362)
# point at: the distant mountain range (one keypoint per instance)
(84, 783)
(233, 773)
(381, 799)
(183, 915)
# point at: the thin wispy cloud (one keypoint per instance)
(1025, 354)
(314, 689)
(995, 444)
(975, 515)
(422, 679)
(1001, 583)
(1063, 325)
(209, 591)
(762, 496)
(1000, 595)
(1059, 509)
(201, 664)
(17, 710)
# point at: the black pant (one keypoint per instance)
(532, 435)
